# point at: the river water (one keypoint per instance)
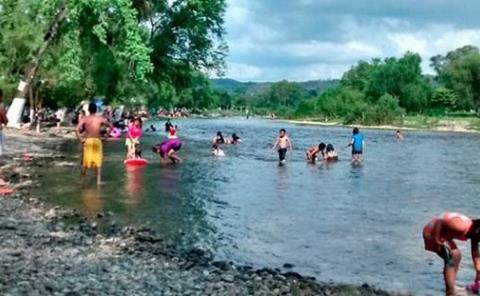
(350, 224)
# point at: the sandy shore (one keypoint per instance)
(43, 253)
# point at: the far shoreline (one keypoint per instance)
(457, 127)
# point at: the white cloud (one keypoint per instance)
(299, 41)
(236, 12)
(244, 72)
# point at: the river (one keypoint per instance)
(350, 224)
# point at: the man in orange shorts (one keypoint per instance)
(438, 236)
(91, 140)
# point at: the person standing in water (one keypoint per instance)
(134, 132)
(282, 144)
(88, 131)
(399, 136)
(439, 235)
(358, 144)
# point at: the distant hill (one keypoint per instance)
(231, 85)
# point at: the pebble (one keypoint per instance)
(83, 260)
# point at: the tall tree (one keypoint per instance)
(459, 70)
(87, 24)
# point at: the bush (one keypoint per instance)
(385, 111)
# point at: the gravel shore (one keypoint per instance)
(44, 253)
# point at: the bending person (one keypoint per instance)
(168, 151)
(439, 235)
(311, 153)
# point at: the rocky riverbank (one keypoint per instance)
(48, 250)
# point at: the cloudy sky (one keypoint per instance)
(299, 40)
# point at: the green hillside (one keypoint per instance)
(231, 85)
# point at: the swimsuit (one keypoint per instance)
(133, 134)
(92, 153)
(429, 236)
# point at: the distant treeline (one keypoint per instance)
(380, 91)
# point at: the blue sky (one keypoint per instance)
(298, 40)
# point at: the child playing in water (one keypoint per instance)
(398, 135)
(235, 139)
(172, 132)
(331, 154)
(438, 236)
(357, 144)
(218, 139)
(312, 152)
(133, 137)
(283, 144)
(216, 151)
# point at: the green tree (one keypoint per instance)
(459, 70)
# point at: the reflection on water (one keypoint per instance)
(336, 221)
(282, 182)
(92, 201)
(134, 185)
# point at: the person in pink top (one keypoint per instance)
(439, 235)
(134, 132)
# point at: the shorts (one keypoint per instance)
(92, 153)
(430, 245)
(282, 153)
(354, 152)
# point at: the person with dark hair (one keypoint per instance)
(439, 235)
(134, 132)
(216, 151)
(235, 139)
(3, 123)
(358, 144)
(168, 151)
(88, 131)
(312, 152)
(399, 135)
(218, 139)
(282, 144)
(331, 154)
(168, 124)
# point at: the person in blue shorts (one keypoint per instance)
(357, 143)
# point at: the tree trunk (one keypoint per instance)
(48, 38)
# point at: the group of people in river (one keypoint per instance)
(322, 151)
(439, 233)
(90, 132)
(219, 140)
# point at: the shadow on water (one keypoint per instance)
(347, 223)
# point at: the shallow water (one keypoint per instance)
(336, 222)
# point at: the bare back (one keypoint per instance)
(92, 125)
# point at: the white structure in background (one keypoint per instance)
(15, 110)
(117, 115)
